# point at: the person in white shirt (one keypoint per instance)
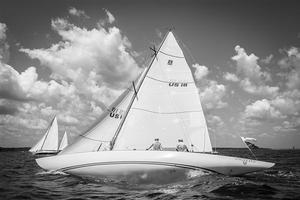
(156, 146)
(181, 146)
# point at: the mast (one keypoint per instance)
(137, 90)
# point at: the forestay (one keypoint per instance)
(168, 105)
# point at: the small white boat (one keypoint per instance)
(163, 103)
(48, 144)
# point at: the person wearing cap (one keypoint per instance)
(181, 146)
(156, 146)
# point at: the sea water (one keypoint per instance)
(21, 178)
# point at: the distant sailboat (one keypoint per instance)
(163, 103)
(49, 142)
(64, 142)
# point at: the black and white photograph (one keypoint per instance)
(161, 99)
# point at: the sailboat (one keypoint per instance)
(162, 103)
(64, 142)
(48, 144)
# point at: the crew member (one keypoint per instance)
(156, 146)
(181, 146)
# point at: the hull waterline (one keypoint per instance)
(45, 152)
(147, 163)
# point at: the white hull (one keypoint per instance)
(130, 163)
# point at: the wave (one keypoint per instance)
(51, 172)
(245, 189)
(280, 173)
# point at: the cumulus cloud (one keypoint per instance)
(212, 95)
(268, 59)
(291, 62)
(82, 55)
(10, 83)
(262, 109)
(210, 91)
(215, 121)
(109, 19)
(34, 123)
(247, 65)
(230, 77)
(89, 69)
(4, 47)
(25, 86)
(262, 90)
(78, 13)
(287, 126)
(285, 106)
(253, 79)
(8, 107)
(200, 72)
(3, 29)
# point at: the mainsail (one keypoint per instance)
(64, 142)
(168, 105)
(164, 105)
(49, 141)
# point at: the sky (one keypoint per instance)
(72, 58)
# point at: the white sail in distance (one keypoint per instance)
(49, 141)
(168, 105)
(64, 142)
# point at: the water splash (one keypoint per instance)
(52, 172)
